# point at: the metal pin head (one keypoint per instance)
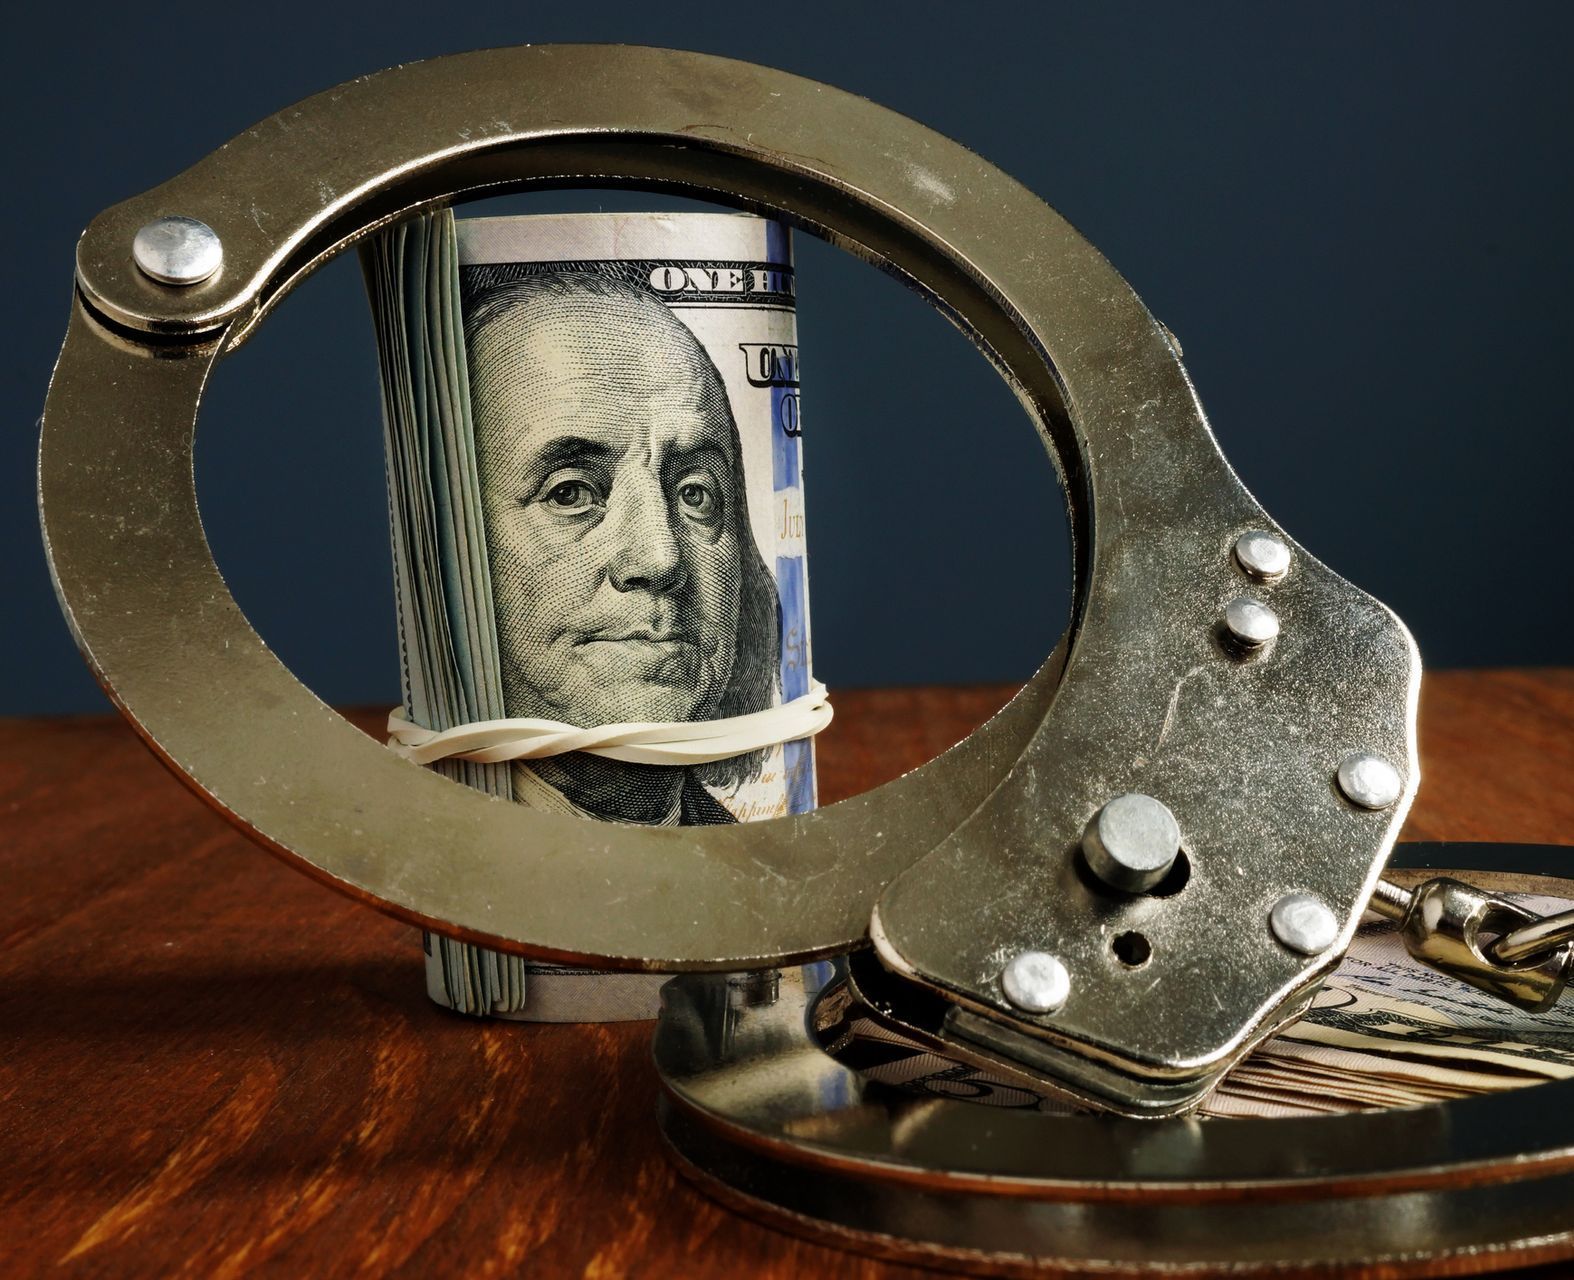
(1250, 623)
(1132, 842)
(177, 250)
(1303, 923)
(1263, 555)
(1367, 779)
(1036, 982)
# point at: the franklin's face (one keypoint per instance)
(607, 472)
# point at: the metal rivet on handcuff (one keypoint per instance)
(1250, 623)
(176, 250)
(1035, 982)
(1368, 780)
(1262, 555)
(973, 857)
(1304, 924)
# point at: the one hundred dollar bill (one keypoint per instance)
(596, 499)
(1388, 1031)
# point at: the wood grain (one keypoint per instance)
(211, 1066)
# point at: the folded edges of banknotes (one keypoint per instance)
(1386, 1031)
(596, 505)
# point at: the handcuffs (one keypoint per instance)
(1147, 863)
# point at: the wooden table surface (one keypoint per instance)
(211, 1066)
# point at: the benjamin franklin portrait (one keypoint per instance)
(627, 581)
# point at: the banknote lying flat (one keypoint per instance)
(596, 506)
(1385, 1031)
(1389, 1032)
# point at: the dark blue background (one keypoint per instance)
(1354, 217)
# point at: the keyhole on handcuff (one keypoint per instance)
(1132, 949)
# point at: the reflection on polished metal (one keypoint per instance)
(176, 250)
(1262, 554)
(1535, 939)
(1250, 623)
(769, 1125)
(1303, 923)
(1132, 842)
(1035, 982)
(1369, 780)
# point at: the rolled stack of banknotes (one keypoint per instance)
(596, 500)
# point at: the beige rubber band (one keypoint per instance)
(678, 742)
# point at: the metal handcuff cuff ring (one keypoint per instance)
(1229, 691)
